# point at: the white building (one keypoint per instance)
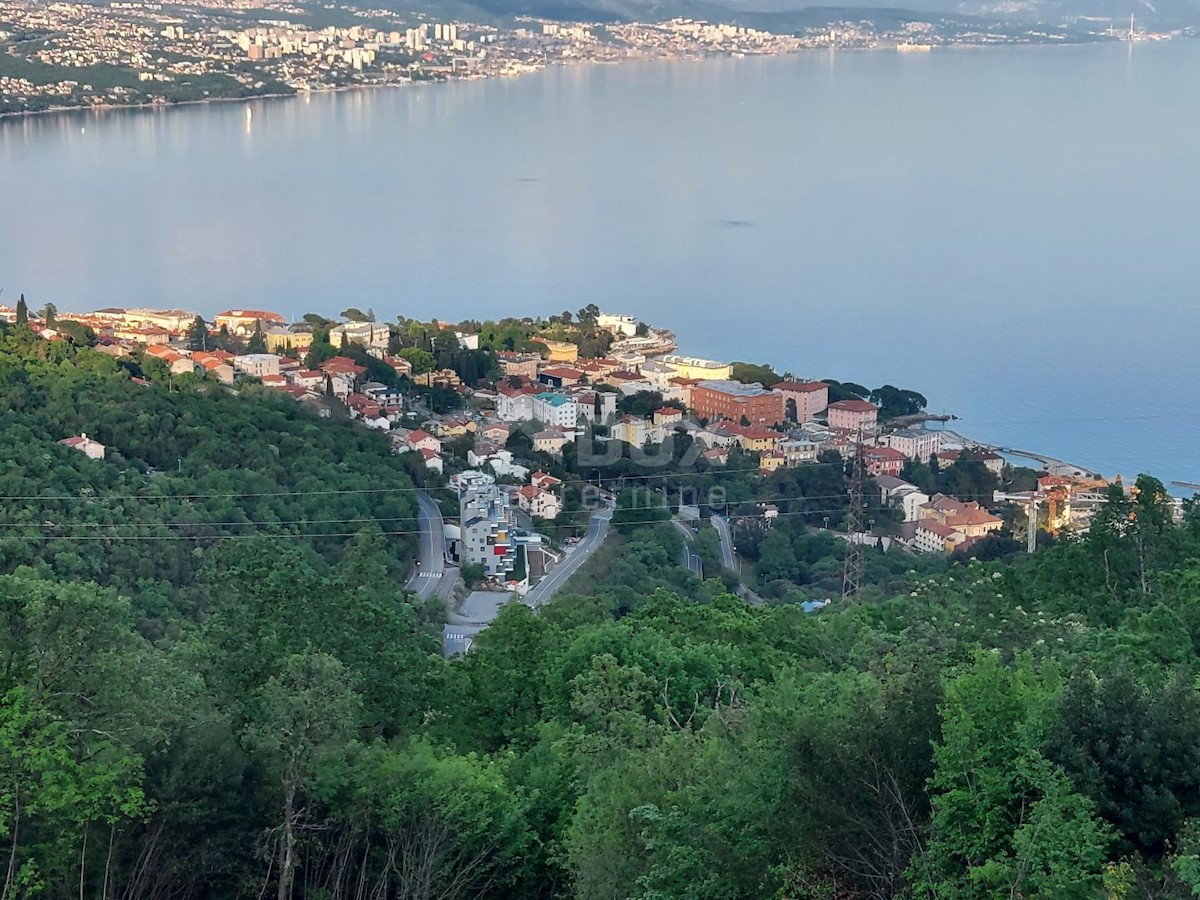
(620, 326)
(555, 409)
(514, 406)
(900, 494)
(918, 445)
(487, 529)
(368, 334)
(257, 365)
(799, 451)
(85, 445)
(636, 432)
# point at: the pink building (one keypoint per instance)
(812, 397)
(885, 461)
(853, 415)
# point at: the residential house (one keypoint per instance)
(884, 460)
(257, 365)
(755, 438)
(178, 363)
(718, 435)
(680, 389)
(943, 517)
(521, 365)
(717, 455)
(769, 462)
(496, 432)
(636, 431)
(85, 445)
(215, 366)
(667, 416)
(309, 379)
(991, 460)
(628, 383)
(898, 493)
(799, 451)
(544, 480)
(455, 425)
(433, 460)
(363, 407)
(552, 440)
(446, 378)
(400, 365)
(422, 440)
(539, 503)
(559, 376)
(597, 407)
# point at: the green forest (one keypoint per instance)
(214, 685)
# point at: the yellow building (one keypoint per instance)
(769, 462)
(280, 339)
(560, 351)
(701, 369)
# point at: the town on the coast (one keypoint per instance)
(530, 430)
(136, 52)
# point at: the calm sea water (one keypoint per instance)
(1014, 232)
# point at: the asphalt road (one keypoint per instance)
(729, 560)
(596, 533)
(726, 536)
(432, 577)
(691, 560)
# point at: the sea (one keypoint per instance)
(1012, 231)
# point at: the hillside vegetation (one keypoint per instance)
(259, 709)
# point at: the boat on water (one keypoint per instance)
(913, 48)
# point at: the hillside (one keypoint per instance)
(203, 697)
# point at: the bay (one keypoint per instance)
(1012, 231)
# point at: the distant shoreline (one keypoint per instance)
(344, 88)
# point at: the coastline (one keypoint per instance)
(343, 88)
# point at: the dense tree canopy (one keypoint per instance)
(212, 683)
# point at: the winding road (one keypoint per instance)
(597, 531)
(432, 577)
(691, 560)
(729, 559)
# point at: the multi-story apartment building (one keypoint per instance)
(733, 400)
(811, 397)
(555, 409)
(486, 524)
(694, 367)
(918, 445)
(853, 415)
(368, 334)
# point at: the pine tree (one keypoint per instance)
(257, 342)
(22, 311)
(197, 335)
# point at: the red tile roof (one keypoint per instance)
(803, 387)
(861, 406)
